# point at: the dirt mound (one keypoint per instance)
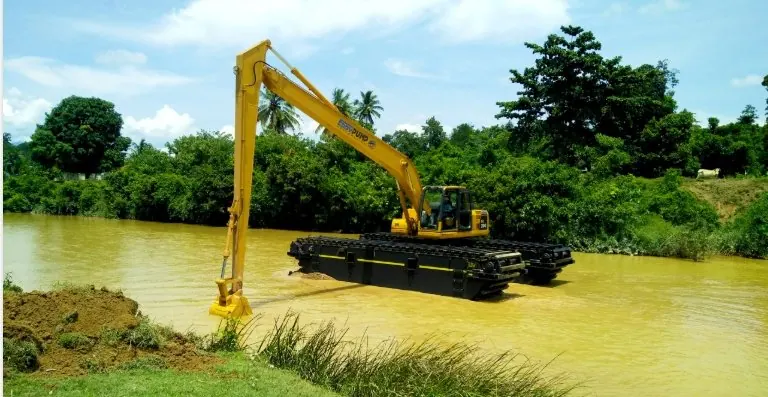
(81, 330)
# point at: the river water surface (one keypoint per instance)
(624, 326)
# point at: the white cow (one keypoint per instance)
(708, 173)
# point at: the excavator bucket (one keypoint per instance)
(237, 306)
(230, 305)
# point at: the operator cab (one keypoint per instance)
(446, 208)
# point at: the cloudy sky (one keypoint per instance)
(167, 65)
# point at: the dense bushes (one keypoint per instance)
(747, 233)
(303, 184)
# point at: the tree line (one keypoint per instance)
(592, 153)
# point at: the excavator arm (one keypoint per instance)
(251, 71)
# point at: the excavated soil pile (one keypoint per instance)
(86, 330)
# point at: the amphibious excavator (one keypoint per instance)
(439, 245)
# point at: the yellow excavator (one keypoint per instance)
(445, 213)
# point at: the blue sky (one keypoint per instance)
(167, 65)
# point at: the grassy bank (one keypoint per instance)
(238, 372)
(729, 196)
(48, 348)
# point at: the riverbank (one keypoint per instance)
(728, 196)
(670, 216)
(237, 372)
(73, 340)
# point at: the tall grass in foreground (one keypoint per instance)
(398, 369)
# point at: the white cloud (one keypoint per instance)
(658, 6)
(240, 23)
(509, 20)
(23, 111)
(402, 68)
(121, 57)
(746, 81)
(167, 123)
(408, 127)
(228, 129)
(128, 79)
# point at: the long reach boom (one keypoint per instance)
(251, 71)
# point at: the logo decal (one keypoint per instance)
(352, 131)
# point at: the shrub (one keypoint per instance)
(74, 340)
(20, 355)
(144, 336)
(9, 285)
(231, 336)
(750, 229)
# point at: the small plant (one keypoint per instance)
(144, 336)
(9, 285)
(74, 340)
(20, 355)
(93, 365)
(231, 336)
(110, 336)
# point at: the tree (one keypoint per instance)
(409, 143)
(433, 133)
(80, 135)
(462, 134)
(765, 84)
(664, 144)
(12, 157)
(572, 93)
(748, 115)
(566, 87)
(367, 107)
(276, 114)
(341, 100)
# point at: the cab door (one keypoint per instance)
(465, 210)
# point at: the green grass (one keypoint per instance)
(728, 195)
(323, 357)
(240, 375)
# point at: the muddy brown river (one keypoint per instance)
(623, 326)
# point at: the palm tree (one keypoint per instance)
(367, 107)
(341, 100)
(277, 114)
(140, 146)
